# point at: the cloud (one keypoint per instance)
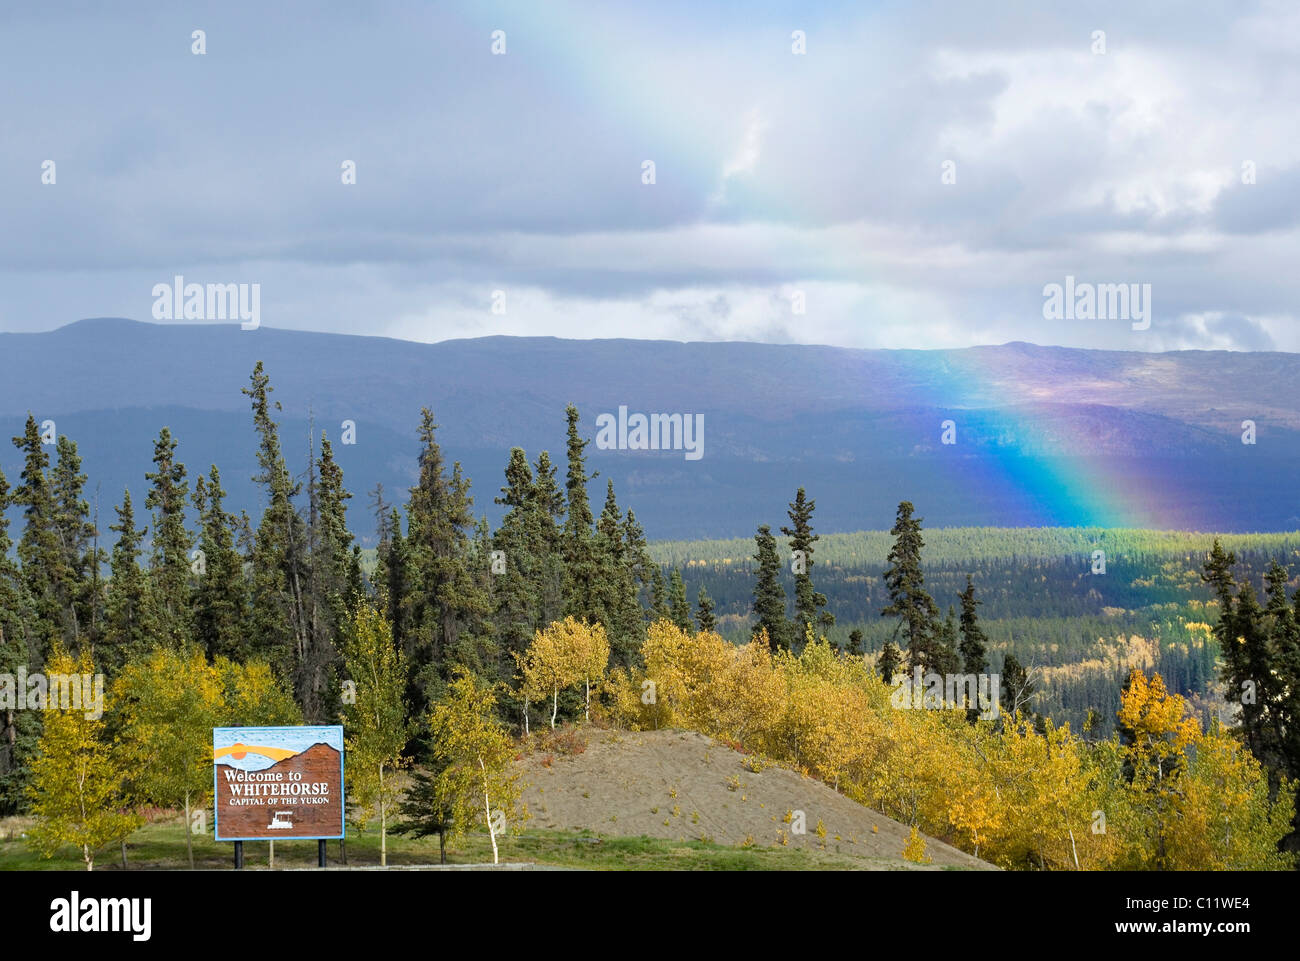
(775, 172)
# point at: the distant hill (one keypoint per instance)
(1044, 435)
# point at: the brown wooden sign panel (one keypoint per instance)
(278, 783)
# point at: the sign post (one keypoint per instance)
(278, 783)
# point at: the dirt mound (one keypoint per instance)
(684, 785)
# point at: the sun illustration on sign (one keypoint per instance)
(240, 751)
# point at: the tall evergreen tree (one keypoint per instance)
(808, 603)
(769, 595)
(908, 598)
(332, 591)
(1017, 689)
(947, 659)
(618, 588)
(704, 610)
(659, 607)
(974, 644)
(678, 607)
(581, 563)
(1260, 646)
(447, 599)
(638, 558)
(277, 625)
(131, 627)
(546, 513)
(78, 590)
(169, 585)
(855, 642)
(19, 730)
(39, 551)
(515, 589)
(336, 542)
(395, 587)
(220, 601)
(889, 663)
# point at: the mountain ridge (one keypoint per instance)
(860, 428)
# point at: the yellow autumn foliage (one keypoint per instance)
(1013, 792)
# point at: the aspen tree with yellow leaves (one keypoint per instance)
(167, 703)
(474, 754)
(375, 724)
(1156, 732)
(76, 783)
(566, 653)
(591, 659)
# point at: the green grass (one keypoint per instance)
(161, 846)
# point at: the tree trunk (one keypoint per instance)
(487, 809)
(587, 684)
(189, 842)
(88, 857)
(555, 706)
(123, 854)
(442, 847)
(383, 823)
(270, 861)
(525, 717)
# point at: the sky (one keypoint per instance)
(914, 178)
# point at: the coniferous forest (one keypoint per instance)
(1149, 683)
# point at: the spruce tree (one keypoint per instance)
(335, 541)
(581, 565)
(908, 598)
(19, 730)
(78, 589)
(704, 610)
(546, 516)
(131, 627)
(889, 663)
(659, 608)
(637, 556)
(769, 595)
(974, 645)
(396, 588)
(1017, 690)
(619, 591)
(446, 598)
(169, 585)
(39, 551)
(220, 601)
(276, 621)
(855, 642)
(516, 588)
(332, 592)
(679, 609)
(807, 601)
(947, 659)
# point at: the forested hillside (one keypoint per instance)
(1041, 600)
(463, 644)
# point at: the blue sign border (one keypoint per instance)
(343, 799)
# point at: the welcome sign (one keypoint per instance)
(281, 783)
